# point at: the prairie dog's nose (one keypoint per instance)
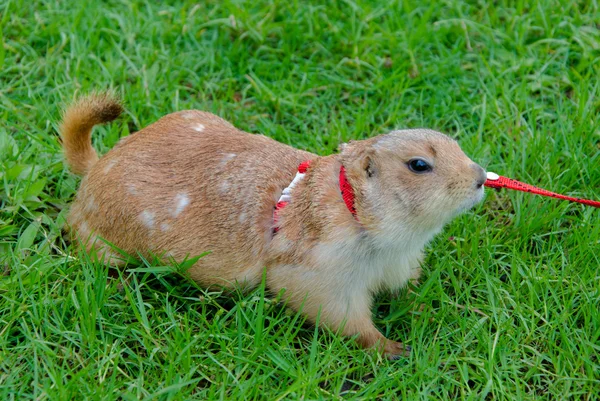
(480, 176)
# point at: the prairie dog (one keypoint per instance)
(191, 182)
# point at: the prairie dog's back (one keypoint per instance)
(187, 184)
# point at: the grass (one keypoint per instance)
(511, 290)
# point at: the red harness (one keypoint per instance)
(346, 191)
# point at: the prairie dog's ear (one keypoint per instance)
(359, 156)
(368, 165)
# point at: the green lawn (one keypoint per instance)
(511, 291)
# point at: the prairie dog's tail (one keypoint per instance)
(76, 128)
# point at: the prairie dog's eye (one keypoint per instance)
(419, 166)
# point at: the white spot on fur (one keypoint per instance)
(189, 115)
(181, 202)
(109, 166)
(147, 218)
(84, 230)
(227, 157)
(199, 127)
(85, 233)
(242, 217)
(131, 189)
(224, 187)
(164, 227)
(90, 205)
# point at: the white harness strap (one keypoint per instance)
(285, 195)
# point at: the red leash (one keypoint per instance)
(497, 181)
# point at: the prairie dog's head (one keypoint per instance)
(414, 180)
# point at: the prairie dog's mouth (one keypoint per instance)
(479, 195)
(471, 201)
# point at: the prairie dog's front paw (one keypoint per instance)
(395, 350)
(390, 349)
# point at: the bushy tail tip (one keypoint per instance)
(76, 128)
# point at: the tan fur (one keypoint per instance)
(192, 182)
